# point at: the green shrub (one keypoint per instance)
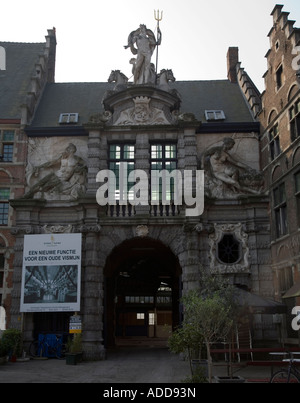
(75, 344)
(3, 349)
(11, 342)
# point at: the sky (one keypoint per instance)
(196, 34)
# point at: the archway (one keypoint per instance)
(142, 293)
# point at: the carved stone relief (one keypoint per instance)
(143, 113)
(142, 230)
(56, 169)
(226, 177)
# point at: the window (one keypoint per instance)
(274, 142)
(164, 294)
(163, 157)
(151, 318)
(163, 299)
(7, 145)
(139, 299)
(285, 279)
(295, 120)
(229, 249)
(122, 153)
(279, 77)
(140, 316)
(297, 194)
(4, 206)
(68, 118)
(215, 115)
(280, 210)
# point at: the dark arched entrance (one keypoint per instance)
(142, 292)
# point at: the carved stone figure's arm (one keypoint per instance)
(237, 163)
(49, 163)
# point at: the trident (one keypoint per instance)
(158, 17)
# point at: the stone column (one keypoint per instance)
(92, 296)
(94, 151)
(190, 151)
(142, 157)
(191, 265)
(190, 260)
(17, 279)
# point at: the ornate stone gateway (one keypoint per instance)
(142, 278)
(137, 260)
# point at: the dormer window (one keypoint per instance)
(214, 115)
(68, 118)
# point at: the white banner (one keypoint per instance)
(51, 273)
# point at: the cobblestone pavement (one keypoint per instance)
(124, 365)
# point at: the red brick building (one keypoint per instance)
(25, 68)
(280, 153)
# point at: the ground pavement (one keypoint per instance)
(123, 365)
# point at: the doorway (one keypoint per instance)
(142, 293)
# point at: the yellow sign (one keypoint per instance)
(75, 324)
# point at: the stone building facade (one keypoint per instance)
(146, 248)
(280, 150)
(138, 259)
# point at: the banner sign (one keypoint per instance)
(51, 273)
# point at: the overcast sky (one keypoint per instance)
(196, 34)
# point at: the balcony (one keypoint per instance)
(128, 210)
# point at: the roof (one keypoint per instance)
(199, 96)
(15, 79)
(258, 304)
(293, 292)
(82, 98)
(85, 99)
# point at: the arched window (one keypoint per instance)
(272, 116)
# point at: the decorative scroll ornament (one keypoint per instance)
(57, 229)
(242, 264)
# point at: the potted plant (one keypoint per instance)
(209, 316)
(12, 342)
(188, 341)
(74, 348)
(3, 353)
